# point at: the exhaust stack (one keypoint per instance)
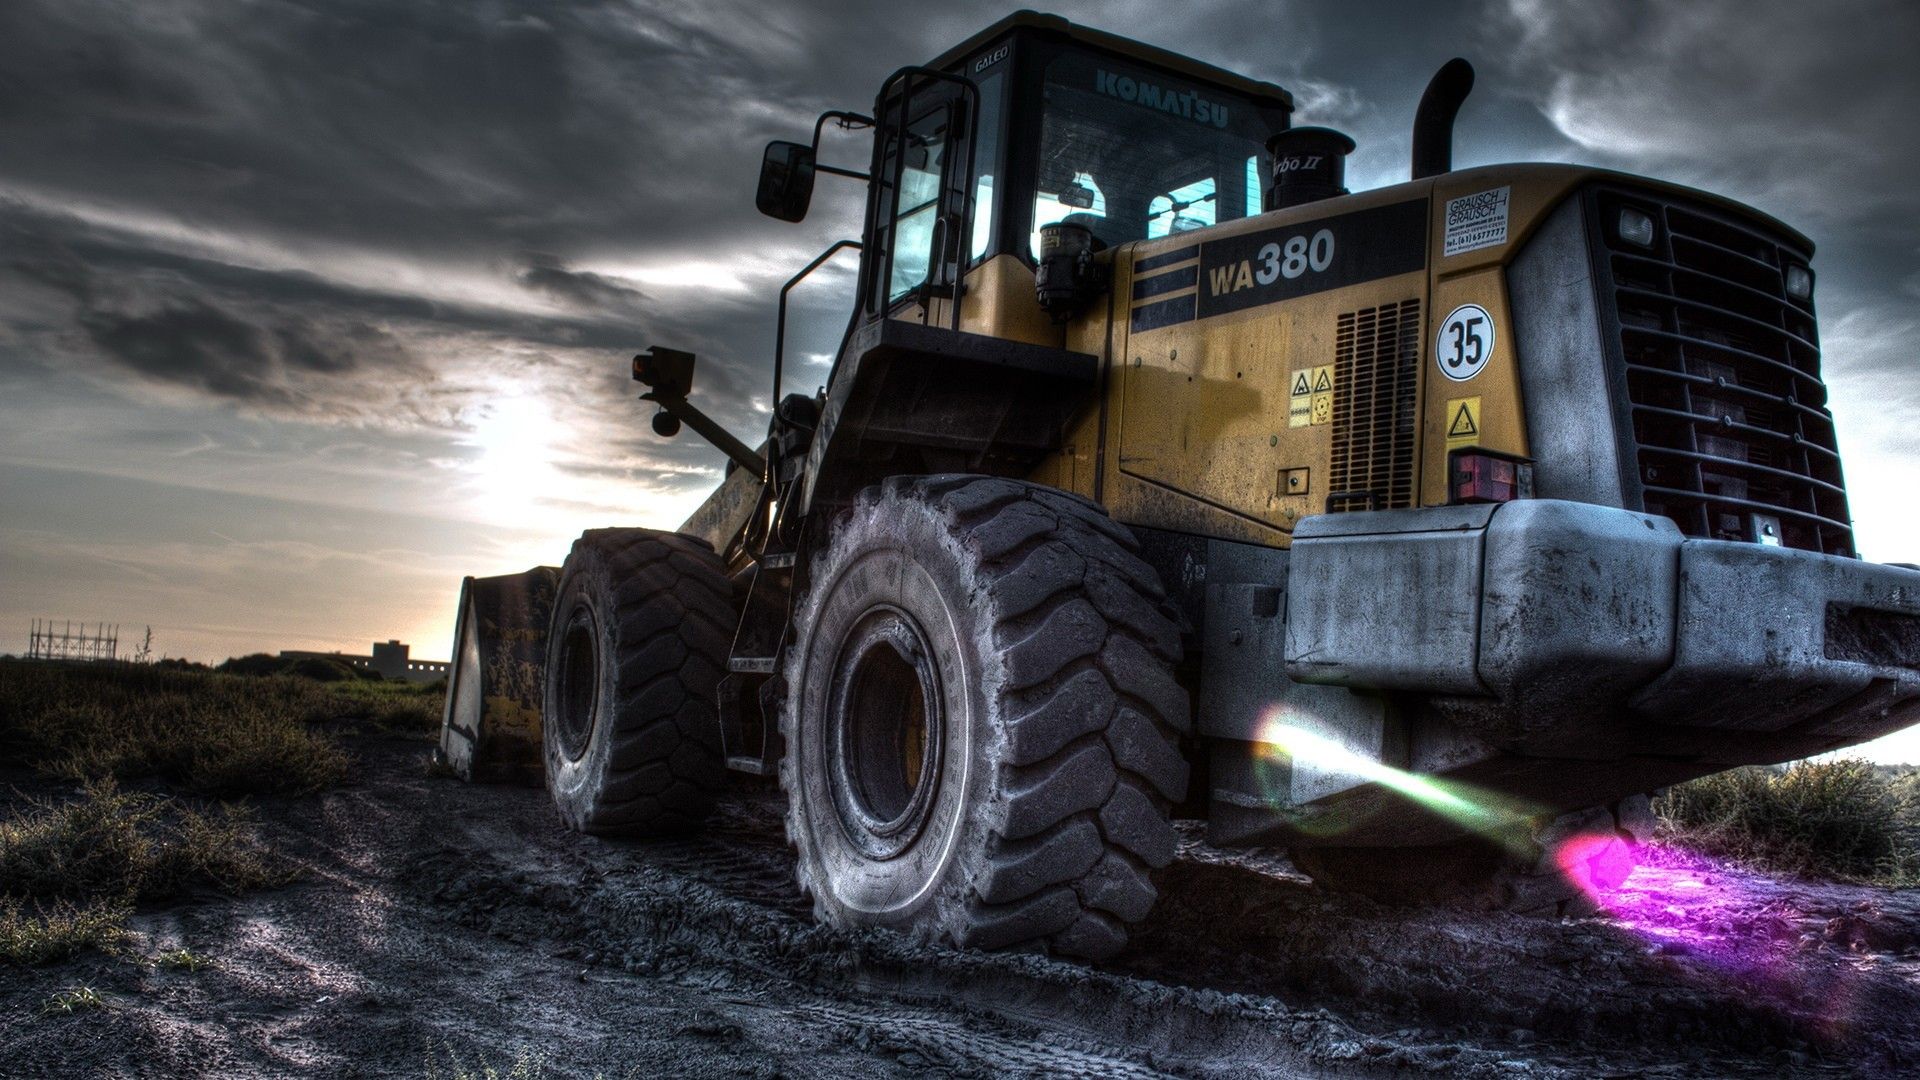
(1433, 121)
(1309, 164)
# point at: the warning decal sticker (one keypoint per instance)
(1323, 395)
(1310, 396)
(1463, 421)
(1476, 221)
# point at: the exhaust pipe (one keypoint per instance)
(1433, 121)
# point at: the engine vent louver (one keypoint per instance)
(1727, 423)
(1376, 363)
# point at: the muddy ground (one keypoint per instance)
(442, 928)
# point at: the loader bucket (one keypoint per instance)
(491, 728)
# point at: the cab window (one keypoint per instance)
(1134, 154)
(916, 205)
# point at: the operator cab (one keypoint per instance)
(1128, 141)
(956, 357)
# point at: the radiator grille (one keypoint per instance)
(1728, 421)
(1376, 361)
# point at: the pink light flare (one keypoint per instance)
(1598, 864)
(1721, 925)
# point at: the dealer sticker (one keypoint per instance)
(1476, 221)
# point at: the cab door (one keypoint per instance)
(920, 213)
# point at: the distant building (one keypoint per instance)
(389, 658)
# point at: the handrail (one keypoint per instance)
(780, 328)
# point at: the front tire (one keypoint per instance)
(981, 720)
(642, 624)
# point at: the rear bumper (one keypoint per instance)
(1570, 630)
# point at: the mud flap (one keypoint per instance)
(491, 728)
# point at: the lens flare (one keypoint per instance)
(1292, 750)
(1710, 922)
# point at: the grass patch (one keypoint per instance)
(447, 1064)
(54, 933)
(73, 1000)
(1844, 819)
(182, 960)
(526, 1065)
(71, 872)
(111, 843)
(207, 733)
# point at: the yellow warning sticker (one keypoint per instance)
(1322, 409)
(1300, 398)
(1463, 421)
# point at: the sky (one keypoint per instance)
(308, 309)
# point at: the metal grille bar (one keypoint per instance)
(1376, 364)
(1726, 411)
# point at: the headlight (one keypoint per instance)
(1636, 227)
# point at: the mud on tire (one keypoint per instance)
(1541, 873)
(981, 719)
(642, 623)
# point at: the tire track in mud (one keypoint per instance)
(1243, 970)
(723, 912)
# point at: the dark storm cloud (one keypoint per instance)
(581, 288)
(440, 142)
(430, 135)
(1803, 110)
(425, 126)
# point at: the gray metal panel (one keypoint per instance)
(1376, 522)
(1245, 696)
(1563, 365)
(1391, 601)
(1753, 650)
(1576, 595)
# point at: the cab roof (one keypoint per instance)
(1055, 26)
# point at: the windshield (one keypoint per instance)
(1134, 154)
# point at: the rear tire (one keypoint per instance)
(642, 624)
(981, 719)
(1544, 874)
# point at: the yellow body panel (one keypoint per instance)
(997, 301)
(1199, 427)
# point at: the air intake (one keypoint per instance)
(1376, 364)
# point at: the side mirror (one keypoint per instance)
(786, 181)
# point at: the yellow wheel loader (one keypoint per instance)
(1418, 531)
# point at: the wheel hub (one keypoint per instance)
(579, 687)
(883, 733)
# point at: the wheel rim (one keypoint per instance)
(884, 733)
(577, 667)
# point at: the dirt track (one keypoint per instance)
(442, 924)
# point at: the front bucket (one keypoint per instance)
(491, 728)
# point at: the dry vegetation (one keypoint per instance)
(73, 868)
(1847, 819)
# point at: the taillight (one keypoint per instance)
(1482, 476)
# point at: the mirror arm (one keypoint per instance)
(846, 121)
(709, 429)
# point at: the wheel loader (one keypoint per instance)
(1159, 479)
